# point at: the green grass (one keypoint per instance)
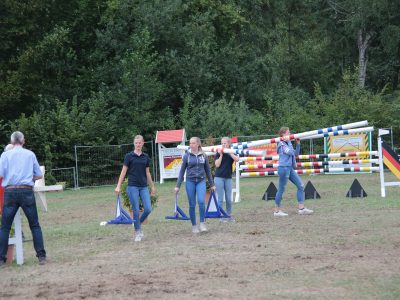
(348, 249)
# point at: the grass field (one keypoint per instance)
(349, 248)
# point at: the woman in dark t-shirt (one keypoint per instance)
(223, 176)
(137, 166)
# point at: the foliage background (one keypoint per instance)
(85, 72)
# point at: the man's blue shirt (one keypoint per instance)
(18, 167)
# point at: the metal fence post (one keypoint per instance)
(155, 162)
(77, 172)
(152, 158)
(75, 183)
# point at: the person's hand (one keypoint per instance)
(176, 190)
(153, 191)
(213, 188)
(297, 141)
(117, 189)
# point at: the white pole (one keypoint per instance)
(161, 163)
(381, 174)
(18, 237)
(340, 132)
(237, 196)
(228, 150)
(17, 240)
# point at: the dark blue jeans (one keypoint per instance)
(13, 200)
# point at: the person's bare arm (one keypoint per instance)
(150, 182)
(218, 161)
(121, 179)
(235, 157)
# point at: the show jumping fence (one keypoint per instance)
(101, 165)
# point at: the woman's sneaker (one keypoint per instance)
(141, 233)
(203, 227)
(195, 229)
(138, 236)
(305, 211)
(280, 213)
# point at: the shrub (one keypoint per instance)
(127, 203)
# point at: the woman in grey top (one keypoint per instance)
(196, 165)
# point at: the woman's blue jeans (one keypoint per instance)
(285, 174)
(192, 189)
(13, 200)
(134, 192)
(224, 187)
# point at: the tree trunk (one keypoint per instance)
(362, 43)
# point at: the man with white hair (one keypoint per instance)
(19, 169)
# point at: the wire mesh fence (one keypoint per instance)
(65, 177)
(101, 165)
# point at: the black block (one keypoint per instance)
(356, 190)
(270, 193)
(310, 192)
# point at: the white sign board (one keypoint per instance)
(170, 162)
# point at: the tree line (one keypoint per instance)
(89, 72)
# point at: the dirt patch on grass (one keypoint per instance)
(342, 251)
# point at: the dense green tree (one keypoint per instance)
(216, 117)
(214, 67)
(53, 132)
(351, 103)
(369, 23)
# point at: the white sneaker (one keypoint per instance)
(141, 233)
(138, 236)
(203, 227)
(305, 211)
(195, 229)
(280, 213)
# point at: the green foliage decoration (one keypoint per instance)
(127, 203)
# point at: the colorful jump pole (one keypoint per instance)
(314, 164)
(227, 150)
(246, 145)
(299, 135)
(326, 134)
(313, 156)
(340, 132)
(313, 171)
(337, 155)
